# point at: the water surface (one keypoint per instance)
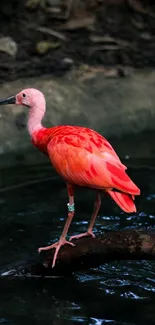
(33, 210)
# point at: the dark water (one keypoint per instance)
(32, 213)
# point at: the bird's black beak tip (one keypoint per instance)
(9, 100)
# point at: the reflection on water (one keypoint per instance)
(33, 214)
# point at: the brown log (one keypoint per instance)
(89, 252)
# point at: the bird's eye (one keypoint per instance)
(24, 95)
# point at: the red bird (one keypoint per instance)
(82, 157)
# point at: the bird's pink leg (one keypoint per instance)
(89, 232)
(62, 241)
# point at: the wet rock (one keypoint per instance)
(44, 46)
(8, 45)
(33, 4)
(54, 2)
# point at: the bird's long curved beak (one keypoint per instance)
(9, 100)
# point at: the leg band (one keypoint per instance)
(70, 207)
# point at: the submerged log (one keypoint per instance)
(89, 252)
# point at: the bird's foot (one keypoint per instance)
(84, 234)
(57, 247)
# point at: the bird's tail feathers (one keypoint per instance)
(123, 200)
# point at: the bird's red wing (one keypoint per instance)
(90, 166)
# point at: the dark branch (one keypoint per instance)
(88, 252)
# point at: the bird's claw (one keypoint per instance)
(57, 247)
(85, 234)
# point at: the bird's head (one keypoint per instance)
(29, 97)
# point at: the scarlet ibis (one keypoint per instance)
(82, 157)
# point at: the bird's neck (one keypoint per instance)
(34, 120)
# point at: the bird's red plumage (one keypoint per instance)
(83, 157)
(124, 201)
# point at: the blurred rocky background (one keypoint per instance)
(93, 59)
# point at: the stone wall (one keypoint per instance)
(113, 106)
